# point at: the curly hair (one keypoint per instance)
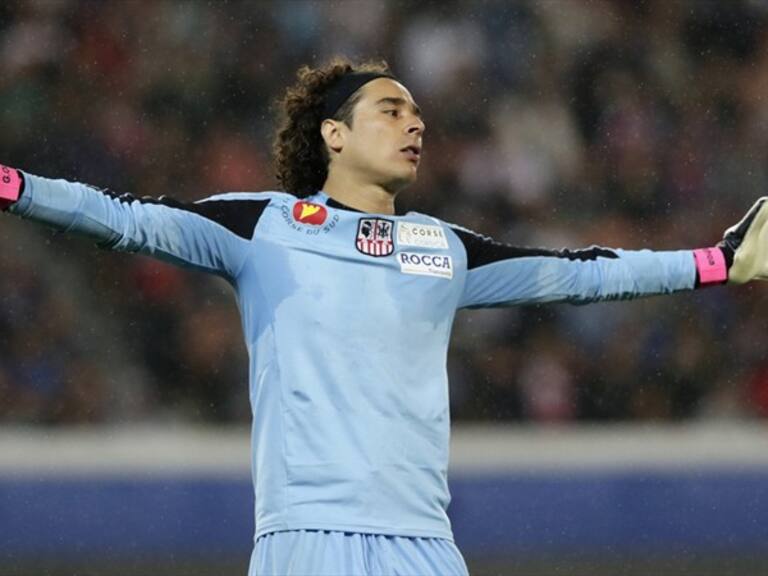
(300, 155)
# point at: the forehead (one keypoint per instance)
(386, 88)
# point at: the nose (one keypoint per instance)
(416, 126)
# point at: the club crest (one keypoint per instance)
(374, 237)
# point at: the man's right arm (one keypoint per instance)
(213, 234)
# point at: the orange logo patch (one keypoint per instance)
(308, 213)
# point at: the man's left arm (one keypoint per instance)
(503, 275)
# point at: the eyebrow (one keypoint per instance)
(399, 102)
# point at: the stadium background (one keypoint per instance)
(609, 436)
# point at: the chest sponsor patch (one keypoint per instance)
(421, 235)
(308, 218)
(308, 213)
(439, 265)
(374, 236)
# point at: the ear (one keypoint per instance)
(333, 134)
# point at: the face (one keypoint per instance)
(383, 146)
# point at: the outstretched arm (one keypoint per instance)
(502, 275)
(212, 235)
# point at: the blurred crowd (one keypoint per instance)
(549, 123)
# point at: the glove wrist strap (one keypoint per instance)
(11, 185)
(711, 266)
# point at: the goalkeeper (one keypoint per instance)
(347, 309)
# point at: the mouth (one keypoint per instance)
(412, 153)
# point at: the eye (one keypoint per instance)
(394, 113)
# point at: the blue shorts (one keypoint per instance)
(319, 553)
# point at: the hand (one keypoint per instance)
(745, 246)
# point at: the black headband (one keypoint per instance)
(340, 91)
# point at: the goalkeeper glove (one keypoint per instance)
(742, 255)
(745, 246)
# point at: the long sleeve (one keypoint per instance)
(212, 234)
(503, 275)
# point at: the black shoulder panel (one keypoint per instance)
(238, 216)
(482, 250)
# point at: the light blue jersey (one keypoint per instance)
(347, 319)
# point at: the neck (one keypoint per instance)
(362, 196)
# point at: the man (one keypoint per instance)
(347, 311)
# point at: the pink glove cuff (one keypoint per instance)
(711, 265)
(10, 186)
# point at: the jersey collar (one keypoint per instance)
(323, 198)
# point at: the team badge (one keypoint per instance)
(308, 213)
(374, 236)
